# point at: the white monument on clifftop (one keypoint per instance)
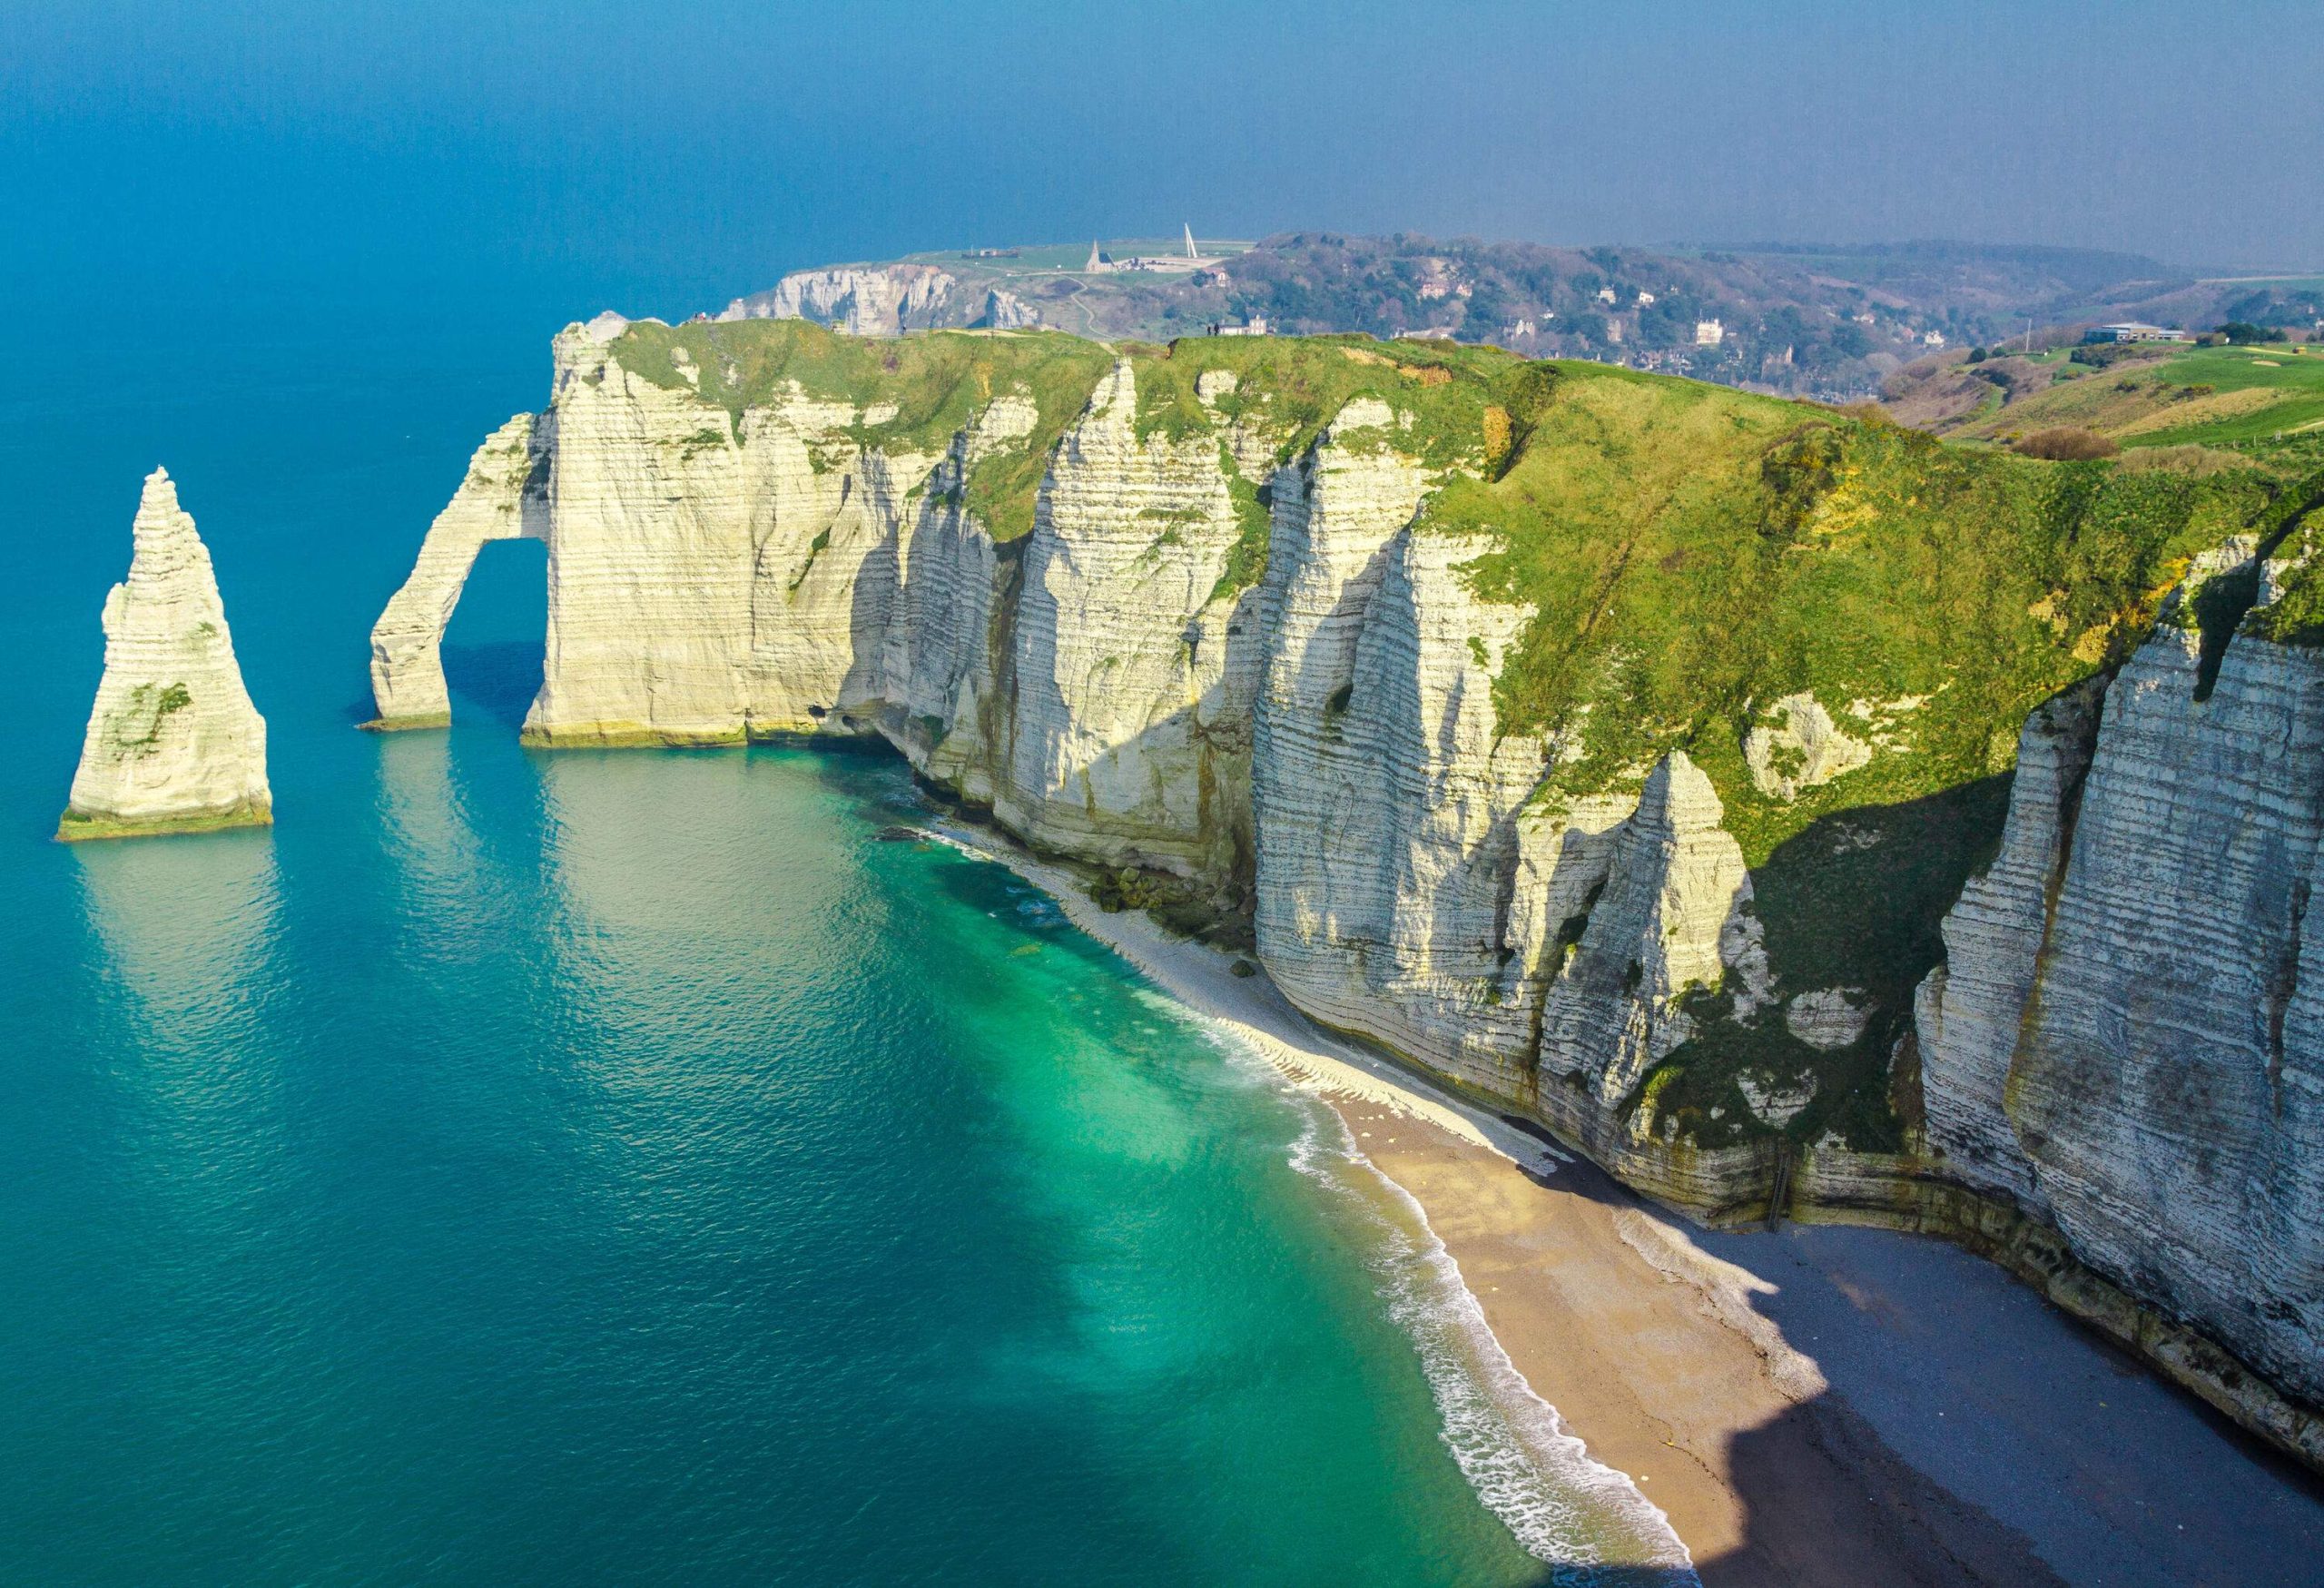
(1101, 262)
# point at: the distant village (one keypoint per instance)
(1759, 321)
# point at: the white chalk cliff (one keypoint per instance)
(1299, 735)
(2127, 1036)
(885, 300)
(882, 300)
(501, 498)
(173, 743)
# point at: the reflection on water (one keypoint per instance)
(622, 1167)
(711, 947)
(186, 930)
(184, 926)
(695, 847)
(466, 888)
(428, 835)
(694, 887)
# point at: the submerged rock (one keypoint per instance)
(174, 745)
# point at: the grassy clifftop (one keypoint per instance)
(936, 383)
(1843, 622)
(1695, 555)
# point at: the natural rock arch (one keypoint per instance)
(504, 497)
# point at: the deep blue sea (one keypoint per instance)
(620, 1168)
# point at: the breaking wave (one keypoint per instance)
(1585, 1519)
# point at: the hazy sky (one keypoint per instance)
(667, 156)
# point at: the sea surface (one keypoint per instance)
(626, 1167)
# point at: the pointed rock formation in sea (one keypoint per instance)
(174, 744)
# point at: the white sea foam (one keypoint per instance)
(1563, 1505)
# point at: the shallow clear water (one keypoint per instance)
(623, 1166)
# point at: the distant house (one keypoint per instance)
(1935, 339)
(1523, 328)
(1254, 326)
(1644, 298)
(1709, 333)
(2131, 331)
(1606, 295)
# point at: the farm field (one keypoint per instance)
(2256, 397)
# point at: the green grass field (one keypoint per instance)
(2296, 376)
(2246, 398)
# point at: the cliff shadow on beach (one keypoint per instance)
(1944, 1375)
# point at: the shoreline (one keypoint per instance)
(1362, 1089)
(1750, 1386)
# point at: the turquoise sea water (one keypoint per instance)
(624, 1168)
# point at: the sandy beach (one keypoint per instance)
(1816, 1406)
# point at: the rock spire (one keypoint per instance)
(174, 745)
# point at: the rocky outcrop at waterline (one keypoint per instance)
(1642, 757)
(173, 742)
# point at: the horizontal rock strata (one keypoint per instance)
(2125, 1040)
(173, 742)
(1236, 667)
(501, 498)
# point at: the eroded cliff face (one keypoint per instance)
(886, 299)
(1386, 800)
(173, 743)
(1236, 656)
(1108, 753)
(878, 300)
(2124, 1038)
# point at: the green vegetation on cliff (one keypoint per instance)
(937, 384)
(1695, 555)
(1844, 623)
(1289, 388)
(2288, 530)
(1698, 560)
